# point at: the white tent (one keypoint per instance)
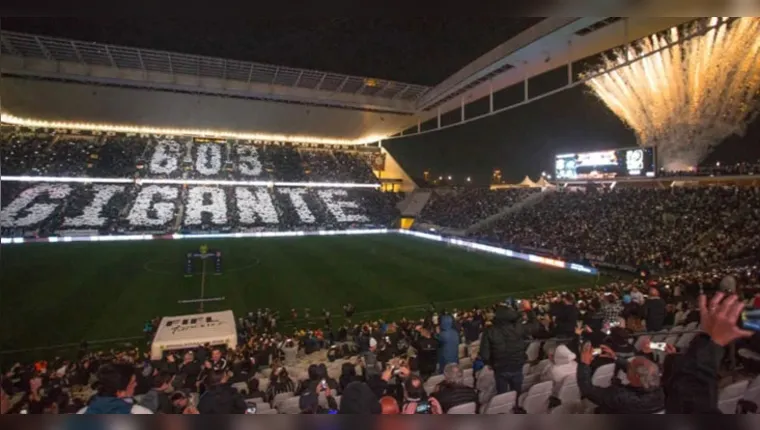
(543, 183)
(527, 183)
(189, 331)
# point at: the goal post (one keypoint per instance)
(204, 255)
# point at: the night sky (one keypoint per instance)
(412, 50)
(520, 142)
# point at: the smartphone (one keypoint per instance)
(659, 346)
(751, 319)
(324, 384)
(596, 351)
(251, 410)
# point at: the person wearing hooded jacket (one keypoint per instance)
(562, 365)
(448, 338)
(503, 348)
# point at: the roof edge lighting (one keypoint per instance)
(10, 119)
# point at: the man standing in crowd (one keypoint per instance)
(157, 399)
(218, 362)
(503, 348)
(116, 387)
(642, 395)
(369, 360)
(427, 352)
(220, 397)
(452, 391)
(448, 342)
(187, 372)
(654, 310)
(565, 317)
(611, 309)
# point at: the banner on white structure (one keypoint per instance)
(189, 331)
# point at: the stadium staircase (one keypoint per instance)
(414, 202)
(527, 202)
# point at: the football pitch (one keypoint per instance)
(54, 294)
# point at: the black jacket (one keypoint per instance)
(620, 399)
(222, 399)
(692, 385)
(566, 317)
(471, 330)
(503, 345)
(450, 395)
(655, 313)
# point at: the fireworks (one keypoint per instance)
(687, 98)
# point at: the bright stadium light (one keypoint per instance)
(160, 181)
(449, 177)
(468, 179)
(218, 134)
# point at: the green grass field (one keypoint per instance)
(55, 294)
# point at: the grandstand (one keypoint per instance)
(121, 165)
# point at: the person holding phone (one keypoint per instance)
(693, 387)
(642, 395)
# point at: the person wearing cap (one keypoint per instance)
(369, 360)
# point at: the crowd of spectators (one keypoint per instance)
(718, 169)
(656, 229)
(449, 361)
(46, 209)
(121, 156)
(462, 208)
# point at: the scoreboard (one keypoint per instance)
(609, 164)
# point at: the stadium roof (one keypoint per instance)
(171, 63)
(416, 50)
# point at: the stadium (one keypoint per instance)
(270, 219)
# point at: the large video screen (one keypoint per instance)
(617, 163)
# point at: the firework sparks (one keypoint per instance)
(689, 97)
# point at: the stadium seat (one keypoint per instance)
(266, 412)
(433, 382)
(672, 339)
(729, 396)
(568, 390)
(685, 340)
(753, 391)
(240, 386)
(337, 400)
(691, 326)
(530, 380)
(289, 406)
(469, 381)
(536, 400)
(660, 336)
(465, 363)
(501, 404)
(573, 407)
(467, 372)
(532, 351)
(257, 401)
(465, 409)
(603, 375)
(278, 399)
(462, 350)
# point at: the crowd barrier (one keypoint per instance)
(537, 259)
